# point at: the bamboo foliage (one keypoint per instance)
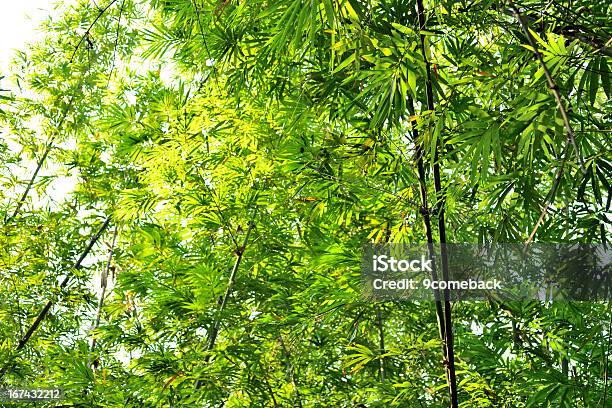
(337, 123)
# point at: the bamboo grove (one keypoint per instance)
(187, 186)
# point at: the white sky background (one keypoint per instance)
(19, 20)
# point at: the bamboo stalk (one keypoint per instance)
(448, 324)
(427, 223)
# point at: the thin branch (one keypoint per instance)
(269, 386)
(212, 338)
(551, 195)
(197, 10)
(230, 286)
(110, 74)
(103, 285)
(554, 88)
(88, 31)
(581, 33)
(45, 310)
(31, 181)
